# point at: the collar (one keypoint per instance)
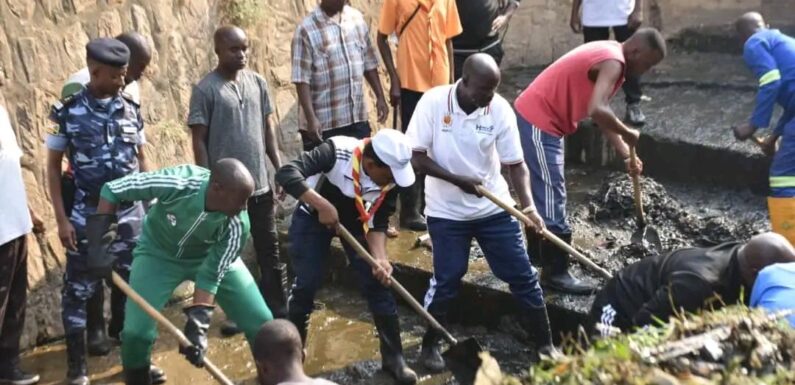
(94, 104)
(453, 108)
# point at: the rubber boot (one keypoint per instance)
(77, 373)
(117, 303)
(230, 328)
(97, 340)
(11, 373)
(555, 271)
(392, 360)
(431, 353)
(301, 322)
(534, 246)
(410, 203)
(138, 376)
(536, 323)
(273, 290)
(157, 376)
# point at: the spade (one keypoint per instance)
(463, 357)
(645, 234)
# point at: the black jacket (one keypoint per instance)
(689, 279)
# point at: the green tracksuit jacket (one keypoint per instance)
(177, 226)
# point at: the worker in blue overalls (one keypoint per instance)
(770, 54)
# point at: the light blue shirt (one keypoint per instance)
(774, 289)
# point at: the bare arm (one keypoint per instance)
(520, 178)
(143, 163)
(607, 75)
(203, 297)
(380, 103)
(54, 159)
(423, 164)
(271, 143)
(451, 59)
(199, 140)
(305, 100)
(575, 22)
(394, 79)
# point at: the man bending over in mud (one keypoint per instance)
(279, 356)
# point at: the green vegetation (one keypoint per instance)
(733, 346)
(242, 13)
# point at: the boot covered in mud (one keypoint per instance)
(97, 340)
(138, 376)
(392, 349)
(157, 375)
(536, 323)
(555, 269)
(301, 322)
(410, 207)
(77, 373)
(117, 302)
(431, 353)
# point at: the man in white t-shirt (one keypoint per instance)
(279, 356)
(624, 17)
(140, 56)
(16, 221)
(461, 134)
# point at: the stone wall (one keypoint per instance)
(42, 42)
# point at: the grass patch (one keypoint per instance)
(242, 13)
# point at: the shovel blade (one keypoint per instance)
(648, 237)
(463, 360)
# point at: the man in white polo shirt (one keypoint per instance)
(460, 135)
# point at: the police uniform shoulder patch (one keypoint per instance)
(65, 102)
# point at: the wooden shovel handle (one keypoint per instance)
(546, 234)
(633, 158)
(362, 251)
(164, 322)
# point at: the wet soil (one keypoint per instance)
(342, 346)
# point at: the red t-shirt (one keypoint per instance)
(558, 98)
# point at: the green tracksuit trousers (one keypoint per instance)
(155, 279)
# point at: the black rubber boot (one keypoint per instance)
(536, 323)
(274, 292)
(157, 376)
(97, 340)
(410, 203)
(77, 373)
(555, 271)
(534, 247)
(10, 372)
(138, 376)
(392, 360)
(230, 328)
(431, 353)
(117, 302)
(301, 322)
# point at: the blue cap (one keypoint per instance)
(108, 51)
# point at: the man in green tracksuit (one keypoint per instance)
(194, 232)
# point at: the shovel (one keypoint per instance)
(546, 234)
(164, 322)
(463, 356)
(645, 235)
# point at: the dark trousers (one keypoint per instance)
(605, 311)
(408, 103)
(13, 296)
(310, 242)
(500, 237)
(459, 58)
(631, 87)
(272, 284)
(359, 130)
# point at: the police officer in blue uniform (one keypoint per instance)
(101, 130)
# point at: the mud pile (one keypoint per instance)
(681, 221)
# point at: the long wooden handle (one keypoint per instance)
(348, 237)
(164, 322)
(546, 234)
(633, 157)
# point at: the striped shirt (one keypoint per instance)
(331, 54)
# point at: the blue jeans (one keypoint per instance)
(543, 154)
(309, 249)
(500, 237)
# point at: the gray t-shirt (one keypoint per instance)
(234, 113)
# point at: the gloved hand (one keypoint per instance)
(196, 328)
(100, 233)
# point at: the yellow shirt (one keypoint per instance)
(422, 57)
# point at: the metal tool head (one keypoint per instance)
(463, 360)
(648, 237)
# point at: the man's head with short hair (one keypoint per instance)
(231, 47)
(761, 251)
(643, 50)
(748, 24)
(107, 60)
(480, 77)
(140, 54)
(231, 184)
(277, 350)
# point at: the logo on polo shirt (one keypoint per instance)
(484, 129)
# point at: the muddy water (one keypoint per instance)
(342, 346)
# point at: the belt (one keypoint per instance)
(478, 50)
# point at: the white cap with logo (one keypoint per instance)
(393, 148)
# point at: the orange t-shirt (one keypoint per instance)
(422, 57)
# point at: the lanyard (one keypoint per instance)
(364, 214)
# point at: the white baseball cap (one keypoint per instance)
(393, 148)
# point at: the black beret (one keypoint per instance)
(108, 51)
